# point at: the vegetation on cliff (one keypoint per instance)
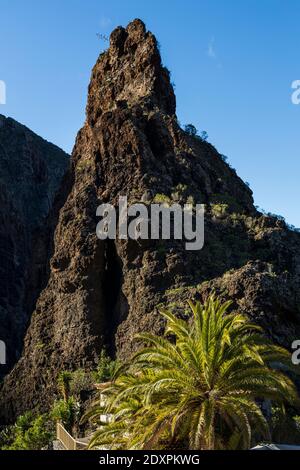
(35, 431)
(95, 293)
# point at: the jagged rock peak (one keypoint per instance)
(130, 73)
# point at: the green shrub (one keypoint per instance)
(66, 412)
(162, 199)
(105, 369)
(219, 210)
(84, 165)
(31, 433)
(81, 380)
(285, 426)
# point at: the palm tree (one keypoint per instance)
(67, 409)
(198, 387)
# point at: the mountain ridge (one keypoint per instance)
(102, 293)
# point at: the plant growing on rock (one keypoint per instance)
(81, 381)
(106, 368)
(64, 383)
(191, 130)
(162, 199)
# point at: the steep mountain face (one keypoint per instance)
(104, 292)
(31, 171)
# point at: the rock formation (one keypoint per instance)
(31, 171)
(104, 292)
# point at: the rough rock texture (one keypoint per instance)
(31, 171)
(104, 292)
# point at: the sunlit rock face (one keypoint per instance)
(102, 293)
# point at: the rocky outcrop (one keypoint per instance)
(104, 292)
(31, 171)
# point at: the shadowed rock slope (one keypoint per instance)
(104, 292)
(31, 171)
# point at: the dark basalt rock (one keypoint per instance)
(31, 171)
(104, 292)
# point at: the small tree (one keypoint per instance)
(64, 382)
(191, 130)
(106, 368)
(204, 136)
(66, 412)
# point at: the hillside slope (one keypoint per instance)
(104, 292)
(31, 171)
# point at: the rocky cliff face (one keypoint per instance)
(104, 292)
(31, 171)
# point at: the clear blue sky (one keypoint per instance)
(233, 62)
